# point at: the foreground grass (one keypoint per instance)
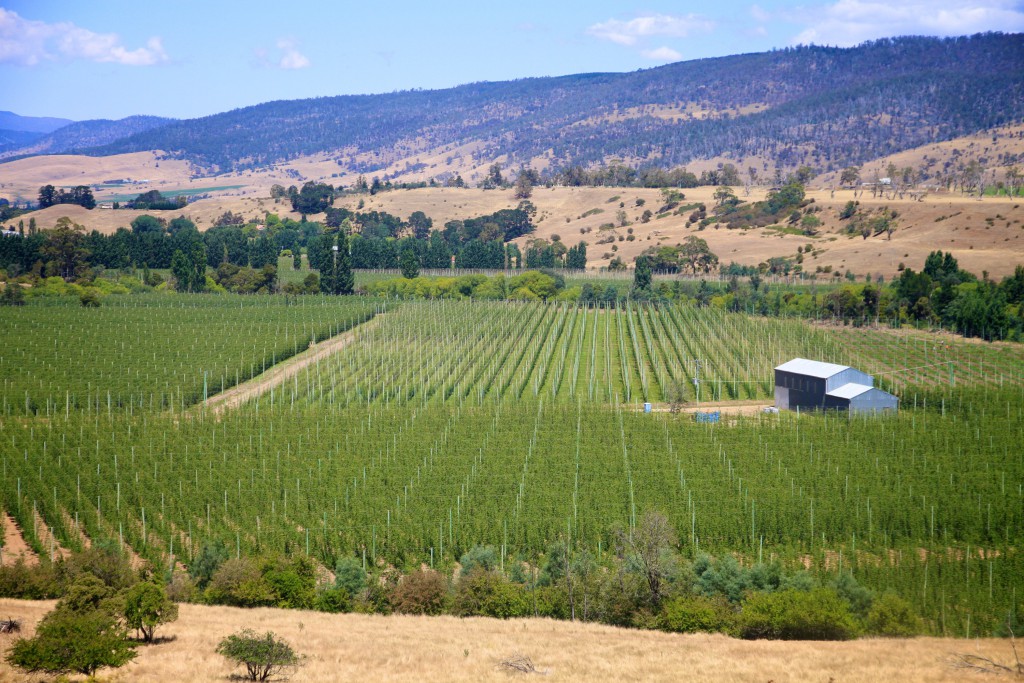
(407, 648)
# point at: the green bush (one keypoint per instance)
(489, 594)
(239, 583)
(292, 580)
(858, 596)
(349, 575)
(376, 597)
(19, 580)
(103, 560)
(621, 595)
(90, 297)
(13, 295)
(146, 606)
(263, 656)
(697, 614)
(479, 557)
(211, 556)
(892, 616)
(551, 601)
(334, 600)
(73, 642)
(87, 594)
(819, 614)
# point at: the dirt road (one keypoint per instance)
(283, 371)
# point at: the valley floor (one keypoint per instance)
(407, 648)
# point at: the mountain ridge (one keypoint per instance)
(79, 135)
(809, 105)
(31, 124)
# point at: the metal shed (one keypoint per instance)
(814, 385)
(858, 398)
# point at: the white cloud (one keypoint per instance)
(662, 54)
(759, 14)
(849, 22)
(629, 32)
(27, 42)
(292, 58)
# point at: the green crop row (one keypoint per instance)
(155, 352)
(936, 491)
(460, 351)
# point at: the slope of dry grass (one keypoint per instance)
(405, 648)
(982, 234)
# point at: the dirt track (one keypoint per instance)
(282, 372)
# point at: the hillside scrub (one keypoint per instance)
(617, 592)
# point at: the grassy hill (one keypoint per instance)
(984, 235)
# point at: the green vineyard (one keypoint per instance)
(447, 425)
(154, 352)
(462, 352)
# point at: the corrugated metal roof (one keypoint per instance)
(850, 390)
(813, 368)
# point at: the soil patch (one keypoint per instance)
(15, 546)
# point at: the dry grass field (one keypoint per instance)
(406, 648)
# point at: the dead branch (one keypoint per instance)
(10, 625)
(986, 665)
(519, 663)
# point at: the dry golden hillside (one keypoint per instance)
(984, 235)
(405, 648)
(993, 149)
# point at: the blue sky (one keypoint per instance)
(114, 58)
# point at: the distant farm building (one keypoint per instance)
(803, 384)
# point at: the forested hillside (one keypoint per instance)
(823, 106)
(79, 135)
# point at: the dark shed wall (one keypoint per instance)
(804, 391)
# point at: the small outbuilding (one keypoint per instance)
(803, 384)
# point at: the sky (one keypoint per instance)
(185, 59)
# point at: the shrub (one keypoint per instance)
(349, 574)
(73, 642)
(263, 656)
(892, 616)
(13, 295)
(334, 600)
(857, 595)
(697, 614)
(146, 606)
(819, 614)
(293, 581)
(422, 592)
(376, 597)
(105, 561)
(18, 580)
(622, 595)
(489, 594)
(211, 556)
(181, 587)
(90, 298)
(239, 583)
(479, 556)
(87, 594)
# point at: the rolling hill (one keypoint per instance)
(821, 106)
(77, 136)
